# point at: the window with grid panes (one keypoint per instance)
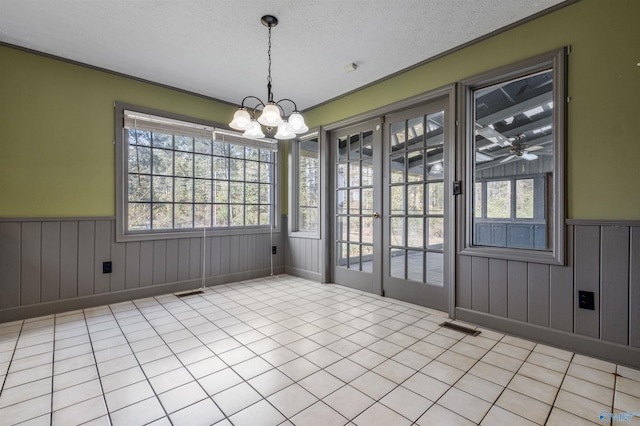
(184, 176)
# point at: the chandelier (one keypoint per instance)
(273, 115)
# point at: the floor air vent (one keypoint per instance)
(188, 293)
(460, 328)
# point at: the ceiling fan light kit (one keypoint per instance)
(272, 113)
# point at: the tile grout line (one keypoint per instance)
(93, 352)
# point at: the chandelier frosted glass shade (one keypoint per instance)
(254, 131)
(296, 123)
(241, 120)
(285, 131)
(272, 114)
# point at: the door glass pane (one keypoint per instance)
(367, 258)
(354, 147)
(397, 136)
(342, 255)
(341, 201)
(397, 257)
(354, 174)
(436, 233)
(367, 201)
(524, 198)
(367, 173)
(354, 256)
(415, 232)
(435, 204)
(397, 169)
(354, 201)
(435, 268)
(415, 166)
(342, 228)
(342, 149)
(354, 229)
(397, 231)
(397, 199)
(415, 199)
(341, 177)
(367, 230)
(415, 131)
(415, 265)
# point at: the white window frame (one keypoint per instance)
(556, 255)
(294, 187)
(123, 234)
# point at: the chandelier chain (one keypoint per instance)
(269, 55)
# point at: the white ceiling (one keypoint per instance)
(218, 48)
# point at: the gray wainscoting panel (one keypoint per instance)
(602, 257)
(517, 296)
(102, 282)
(538, 294)
(132, 268)
(159, 261)
(183, 259)
(119, 260)
(587, 278)
(171, 262)
(634, 289)
(68, 259)
(9, 264)
(30, 266)
(50, 261)
(498, 289)
(195, 258)
(86, 257)
(146, 263)
(303, 255)
(561, 290)
(614, 325)
(480, 284)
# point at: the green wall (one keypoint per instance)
(57, 126)
(604, 85)
(57, 133)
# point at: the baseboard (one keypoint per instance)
(613, 352)
(303, 273)
(57, 306)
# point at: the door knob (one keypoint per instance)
(375, 215)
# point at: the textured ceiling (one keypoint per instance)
(218, 48)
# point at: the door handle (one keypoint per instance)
(375, 215)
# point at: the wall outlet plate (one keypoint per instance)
(586, 300)
(107, 267)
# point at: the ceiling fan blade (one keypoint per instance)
(494, 136)
(529, 157)
(535, 148)
(509, 158)
(481, 157)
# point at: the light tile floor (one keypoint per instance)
(284, 350)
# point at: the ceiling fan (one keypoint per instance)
(518, 152)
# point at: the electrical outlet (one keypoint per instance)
(274, 250)
(586, 300)
(106, 267)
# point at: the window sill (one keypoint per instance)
(190, 233)
(521, 255)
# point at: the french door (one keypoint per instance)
(392, 209)
(416, 191)
(357, 166)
